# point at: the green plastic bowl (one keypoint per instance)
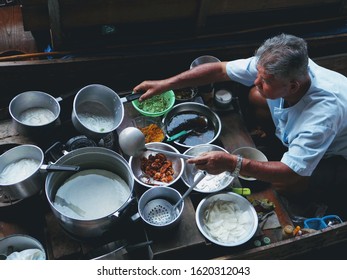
(149, 106)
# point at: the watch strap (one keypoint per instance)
(238, 166)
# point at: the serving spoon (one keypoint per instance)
(201, 125)
(132, 142)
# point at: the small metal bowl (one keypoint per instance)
(139, 176)
(241, 203)
(250, 153)
(185, 94)
(220, 182)
(203, 59)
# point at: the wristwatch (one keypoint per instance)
(238, 165)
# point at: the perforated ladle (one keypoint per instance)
(159, 211)
(132, 142)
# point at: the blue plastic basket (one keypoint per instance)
(320, 223)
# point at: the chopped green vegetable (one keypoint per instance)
(155, 104)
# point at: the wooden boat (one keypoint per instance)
(121, 65)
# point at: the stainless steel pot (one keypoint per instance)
(98, 110)
(19, 243)
(31, 182)
(30, 100)
(90, 158)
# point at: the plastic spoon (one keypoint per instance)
(132, 142)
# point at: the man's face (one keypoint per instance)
(270, 87)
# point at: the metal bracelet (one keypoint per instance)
(238, 165)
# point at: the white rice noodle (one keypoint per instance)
(226, 222)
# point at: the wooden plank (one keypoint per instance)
(13, 38)
(81, 13)
(295, 246)
(232, 7)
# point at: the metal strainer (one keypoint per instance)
(160, 211)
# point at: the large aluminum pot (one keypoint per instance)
(90, 158)
(98, 110)
(31, 123)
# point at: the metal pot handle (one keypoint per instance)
(118, 213)
(57, 167)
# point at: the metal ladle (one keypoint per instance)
(159, 211)
(132, 142)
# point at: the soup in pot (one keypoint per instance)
(91, 194)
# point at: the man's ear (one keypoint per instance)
(294, 86)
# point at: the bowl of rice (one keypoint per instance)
(157, 105)
(226, 219)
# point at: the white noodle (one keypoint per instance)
(226, 222)
(214, 182)
(37, 116)
(18, 171)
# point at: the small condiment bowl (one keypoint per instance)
(151, 127)
(185, 94)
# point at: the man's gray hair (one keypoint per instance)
(284, 56)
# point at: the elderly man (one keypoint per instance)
(307, 103)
